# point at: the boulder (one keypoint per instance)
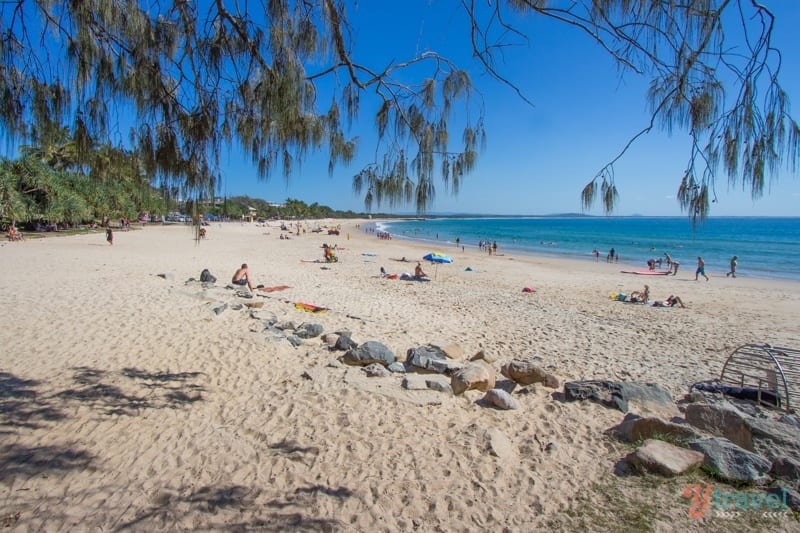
(551, 381)
(500, 399)
(477, 375)
(616, 394)
(308, 330)
(453, 351)
(483, 356)
(368, 353)
(523, 372)
(431, 358)
(786, 468)
(720, 420)
(731, 462)
(397, 367)
(663, 458)
(439, 385)
(773, 438)
(344, 343)
(635, 428)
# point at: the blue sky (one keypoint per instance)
(538, 158)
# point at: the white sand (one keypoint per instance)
(127, 403)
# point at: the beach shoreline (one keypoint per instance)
(129, 402)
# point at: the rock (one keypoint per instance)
(551, 381)
(309, 330)
(254, 305)
(335, 364)
(414, 382)
(720, 420)
(500, 399)
(664, 458)
(523, 372)
(731, 462)
(439, 385)
(786, 468)
(169, 276)
(453, 351)
(237, 307)
(344, 333)
(483, 356)
(330, 339)
(268, 317)
(286, 326)
(294, 340)
(368, 353)
(220, 309)
(376, 370)
(397, 367)
(477, 375)
(616, 394)
(344, 343)
(773, 439)
(431, 358)
(500, 445)
(635, 428)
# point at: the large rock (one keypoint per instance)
(500, 399)
(616, 394)
(664, 458)
(786, 468)
(477, 375)
(720, 420)
(773, 438)
(308, 330)
(523, 372)
(635, 428)
(368, 353)
(731, 462)
(344, 343)
(432, 359)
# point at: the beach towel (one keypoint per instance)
(273, 289)
(310, 308)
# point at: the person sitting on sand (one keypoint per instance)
(242, 277)
(14, 234)
(671, 301)
(641, 296)
(418, 273)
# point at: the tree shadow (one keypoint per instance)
(163, 390)
(20, 406)
(170, 509)
(294, 452)
(16, 460)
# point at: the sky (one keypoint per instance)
(538, 158)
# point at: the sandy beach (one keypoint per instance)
(128, 403)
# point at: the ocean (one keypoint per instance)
(767, 247)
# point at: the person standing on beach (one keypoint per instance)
(610, 256)
(668, 259)
(734, 261)
(701, 268)
(110, 236)
(675, 266)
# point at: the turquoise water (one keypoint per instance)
(767, 247)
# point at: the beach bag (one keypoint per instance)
(207, 277)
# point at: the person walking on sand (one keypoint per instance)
(701, 269)
(734, 261)
(110, 236)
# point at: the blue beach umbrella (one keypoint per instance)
(436, 257)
